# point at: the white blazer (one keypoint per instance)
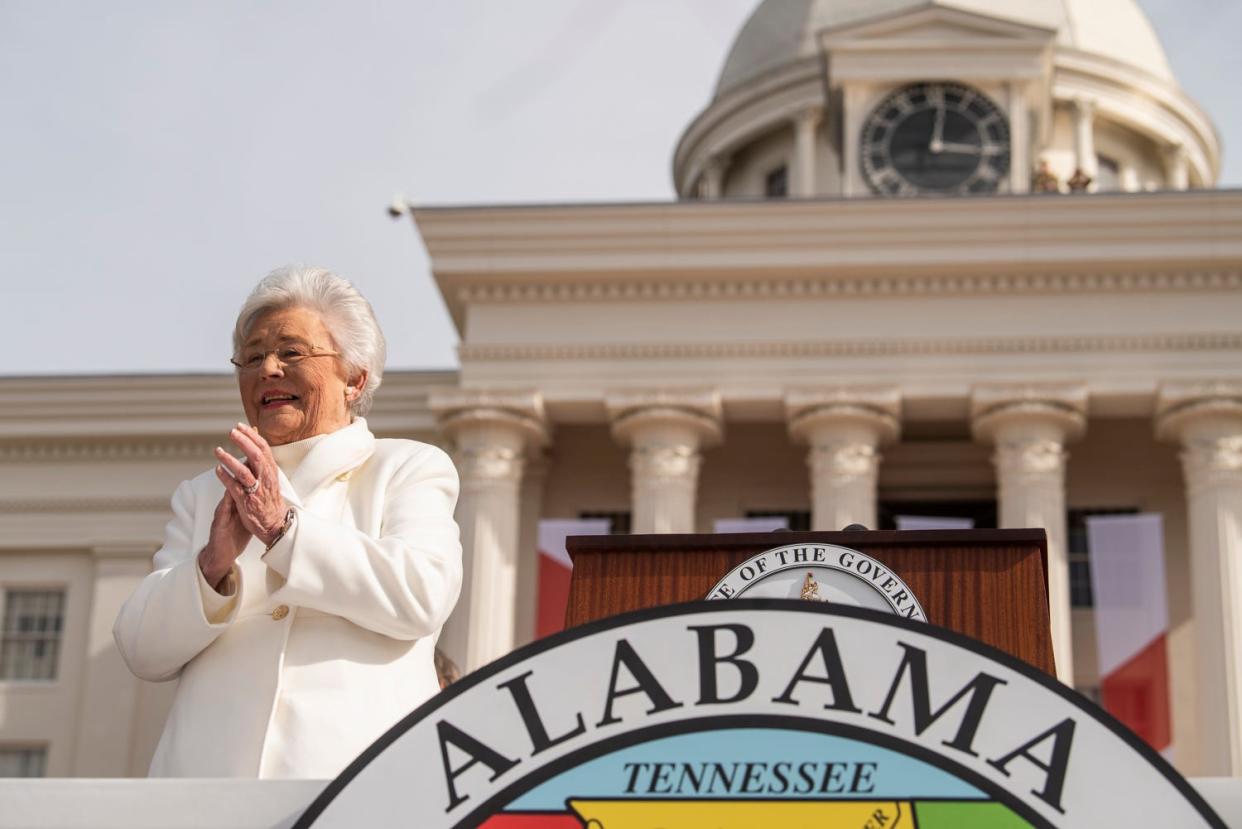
(328, 638)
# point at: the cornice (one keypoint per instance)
(106, 416)
(898, 285)
(508, 238)
(1102, 242)
(502, 352)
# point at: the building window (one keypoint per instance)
(23, 762)
(1081, 594)
(618, 522)
(797, 520)
(776, 183)
(30, 640)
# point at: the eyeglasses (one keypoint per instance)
(287, 355)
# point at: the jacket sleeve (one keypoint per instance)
(174, 614)
(401, 583)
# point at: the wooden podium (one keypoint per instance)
(990, 585)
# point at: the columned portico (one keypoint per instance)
(1206, 419)
(491, 435)
(665, 431)
(844, 428)
(1029, 427)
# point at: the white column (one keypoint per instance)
(109, 692)
(534, 477)
(853, 112)
(1084, 139)
(1029, 427)
(713, 178)
(844, 428)
(1207, 420)
(1177, 167)
(806, 132)
(1020, 161)
(491, 434)
(665, 431)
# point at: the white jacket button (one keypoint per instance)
(280, 612)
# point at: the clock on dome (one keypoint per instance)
(935, 138)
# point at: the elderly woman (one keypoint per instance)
(299, 592)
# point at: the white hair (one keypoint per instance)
(346, 314)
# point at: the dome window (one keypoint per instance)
(776, 183)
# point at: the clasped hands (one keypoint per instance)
(252, 506)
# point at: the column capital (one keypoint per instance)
(665, 429)
(1187, 408)
(809, 117)
(697, 411)
(843, 426)
(1085, 107)
(874, 409)
(1206, 418)
(1052, 412)
(519, 411)
(492, 431)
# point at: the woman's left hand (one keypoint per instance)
(262, 509)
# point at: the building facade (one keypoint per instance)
(938, 258)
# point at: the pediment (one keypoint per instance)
(937, 23)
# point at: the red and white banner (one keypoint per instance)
(555, 568)
(1131, 622)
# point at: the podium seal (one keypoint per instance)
(820, 572)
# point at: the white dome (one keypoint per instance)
(783, 31)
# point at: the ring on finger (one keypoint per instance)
(253, 488)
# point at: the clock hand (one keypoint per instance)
(937, 139)
(953, 147)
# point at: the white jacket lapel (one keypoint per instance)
(341, 451)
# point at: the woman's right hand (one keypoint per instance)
(226, 542)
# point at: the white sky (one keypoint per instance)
(157, 158)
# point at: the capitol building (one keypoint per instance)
(957, 259)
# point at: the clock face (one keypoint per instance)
(942, 138)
